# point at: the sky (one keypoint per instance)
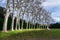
(53, 6)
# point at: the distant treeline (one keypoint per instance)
(55, 26)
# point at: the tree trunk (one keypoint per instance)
(12, 24)
(19, 25)
(6, 17)
(47, 27)
(29, 25)
(19, 19)
(17, 22)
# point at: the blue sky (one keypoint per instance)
(52, 6)
(3, 3)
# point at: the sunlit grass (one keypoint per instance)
(9, 33)
(31, 33)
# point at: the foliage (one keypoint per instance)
(2, 14)
(55, 26)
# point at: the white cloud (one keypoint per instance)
(51, 3)
(56, 14)
(57, 19)
(54, 7)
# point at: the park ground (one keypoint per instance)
(32, 34)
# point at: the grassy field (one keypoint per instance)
(53, 34)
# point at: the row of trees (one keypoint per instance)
(29, 10)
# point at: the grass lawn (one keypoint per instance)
(31, 34)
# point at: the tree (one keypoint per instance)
(31, 8)
(6, 17)
(12, 24)
(18, 14)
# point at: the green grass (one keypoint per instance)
(53, 33)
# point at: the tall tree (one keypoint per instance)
(12, 24)
(6, 17)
